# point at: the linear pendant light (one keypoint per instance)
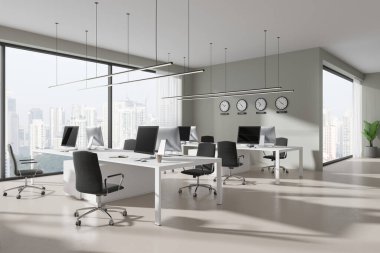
(248, 92)
(238, 95)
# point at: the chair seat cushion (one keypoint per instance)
(197, 171)
(271, 157)
(28, 173)
(111, 188)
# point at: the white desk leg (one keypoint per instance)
(300, 165)
(219, 184)
(277, 168)
(157, 197)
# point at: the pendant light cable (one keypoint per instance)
(278, 61)
(156, 32)
(225, 69)
(96, 37)
(265, 57)
(56, 53)
(188, 35)
(86, 56)
(128, 43)
(210, 67)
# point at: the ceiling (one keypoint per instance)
(349, 29)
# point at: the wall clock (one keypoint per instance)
(242, 105)
(282, 103)
(261, 104)
(224, 106)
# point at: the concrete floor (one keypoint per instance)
(334, 211)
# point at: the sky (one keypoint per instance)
(28, 75)
(337, 94)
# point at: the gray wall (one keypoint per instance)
(371, 102)
(298, 71)
(302, 125)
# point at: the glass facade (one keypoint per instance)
(337, 117)
(35, 115)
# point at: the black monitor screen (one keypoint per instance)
(249, 134)
(184, 133)
(70, 134)
(146, 139)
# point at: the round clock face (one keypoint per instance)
(261, 104)
(224, 106)
(242, 105)
(281, 103)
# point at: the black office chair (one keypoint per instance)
(205, 150)
(27, 173)
(228, 152)
(129, 144)
(281, 141)
(207, 138)
(89, 180)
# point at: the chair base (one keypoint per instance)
(273, 167)
(21, 188)
(197, 185)
(100, 207)
(232, 176)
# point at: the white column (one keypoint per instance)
(219, 184)
(157, 196)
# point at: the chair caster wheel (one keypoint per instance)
(76, 214)
(18, 197)
(179, 191)
(215, 193)
(105, 209)
(224, 182)
(43, 188)
(5, 194)
(111, 223)
(214, 180)
(244, 183)
(42, 193)
(164, 171)
(78, 223)
(195, 195)
(125, 213)
(287, 172)
(209, 189)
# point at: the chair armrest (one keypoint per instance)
(30, 162)
(114, 175)
(239, 157)
(26, 160)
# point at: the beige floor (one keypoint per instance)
(337, 211)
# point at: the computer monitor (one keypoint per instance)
(171, 135)
(184, 133)
(70, 134)
(249, 135)
(193, 134)
(146, 139)
(269, 134)
(94, 136)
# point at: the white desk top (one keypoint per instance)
(131, 158)
(259, 148)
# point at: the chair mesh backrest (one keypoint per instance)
(227, 151)
(13, 159)
(87, 172)
(281, 141)
(207, 150)
(129, 144)
(207, 138)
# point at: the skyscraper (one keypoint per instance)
(57, 122)
(37, 133)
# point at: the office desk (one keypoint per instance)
(140, 177)
(276, 149)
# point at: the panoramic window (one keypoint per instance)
(337, 116)
(36, 114)
(140, 103)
